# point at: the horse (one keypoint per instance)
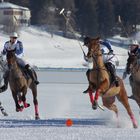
(99, 82)
(134, 78)
(2, 70)
(19, 84)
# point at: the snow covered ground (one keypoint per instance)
(60, 96)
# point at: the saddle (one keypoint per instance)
(114, 87)
(29, 73)
(112, 74)
(24, 72)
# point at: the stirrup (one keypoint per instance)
(86, 91)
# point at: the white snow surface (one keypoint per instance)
(60, 97)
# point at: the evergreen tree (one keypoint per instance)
(19, 2)
(87, 17)
(106, 18)
(35, 7)
(130, 14)
(90, 17)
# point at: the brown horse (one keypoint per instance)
(134, 78)
(99, 82)
(19, 85)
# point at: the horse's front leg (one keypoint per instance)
(24, 91)
(18, 107)
(3, 110)
(92, 98)
(34, 92)
(102, 87)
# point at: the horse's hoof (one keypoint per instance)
(94, 105)
(4, 113)
(20, 109)
(37, 118)
(135, 126)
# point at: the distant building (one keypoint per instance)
(16, 15)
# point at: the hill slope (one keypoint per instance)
(44, 51)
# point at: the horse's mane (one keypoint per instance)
(94, 41)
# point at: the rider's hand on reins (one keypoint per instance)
(111, 52)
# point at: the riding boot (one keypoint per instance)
(30, 72)
(6, 78)
(111, 68)
(114, 78)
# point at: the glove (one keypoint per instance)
(110, 52)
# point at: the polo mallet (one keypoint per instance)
(71, 29)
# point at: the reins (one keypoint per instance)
(98, 68)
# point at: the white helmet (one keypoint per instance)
(134, 42)
(14, 34)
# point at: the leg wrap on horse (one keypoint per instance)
(91, 96)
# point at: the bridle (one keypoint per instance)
(94, 54)
(11, 59)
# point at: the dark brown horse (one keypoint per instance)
(99, 82)
(134, 78)
(19, 85)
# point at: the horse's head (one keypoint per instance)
(134, 62)
(93, 48)
(11, 58)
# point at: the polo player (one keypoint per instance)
(15, 45)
